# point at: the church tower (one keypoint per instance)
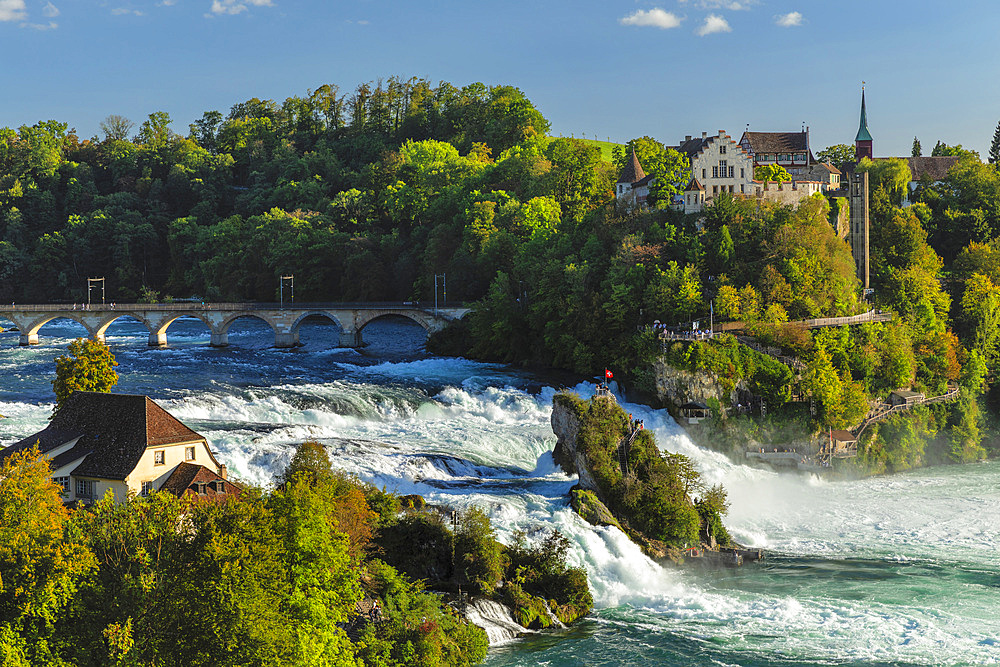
(863, 142)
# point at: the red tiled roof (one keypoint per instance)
(113, 430)
(187, 478)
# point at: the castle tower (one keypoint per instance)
(863, 142)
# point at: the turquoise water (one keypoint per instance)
(886, 571)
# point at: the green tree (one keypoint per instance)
(310, 462)
(670, 169)
(771, 172)
(995, 146)
(916, 151)
(42, 563)
(478, 556)
(837, 155)
(89, 366)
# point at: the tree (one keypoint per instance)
(155, 131)
(116, 127)
(40, 564)
(311, 462)
(771, 172)
(837, 154)
(942, 149)
(89, 366)
(916, 150)
(670, 170)
(995, 146)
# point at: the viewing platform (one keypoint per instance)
(284, 320)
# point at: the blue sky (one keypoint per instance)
(606, 68)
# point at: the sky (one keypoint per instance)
(607, 69)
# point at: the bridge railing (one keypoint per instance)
(223, 306)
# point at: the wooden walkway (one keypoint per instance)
(884, 410)
(863, 318)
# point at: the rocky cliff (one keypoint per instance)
(675, 387)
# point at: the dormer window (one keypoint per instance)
(202, 487)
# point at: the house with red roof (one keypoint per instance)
(128, 445)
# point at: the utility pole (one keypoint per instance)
(444, 289)
(90, 284)
(281, 289)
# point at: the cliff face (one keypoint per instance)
(675, 387)
(566, 426)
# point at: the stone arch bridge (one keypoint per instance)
(352, 318)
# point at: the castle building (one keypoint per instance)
(632, 188)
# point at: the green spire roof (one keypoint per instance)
(863, 133)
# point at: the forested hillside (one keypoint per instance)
(368, 194)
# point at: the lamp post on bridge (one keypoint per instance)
(291, 286)
(444, 289)
(90, 284)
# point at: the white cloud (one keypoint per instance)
(732, 5)
(713, 24)
(121, 11)
(788, 20)
(168, 3)
(653, 18)
(50, 10)
(237, 6)
(51, 25)
(12, 10)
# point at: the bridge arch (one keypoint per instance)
(321, 313)
(158, 324)
(220, 332)
(367, 317)
(29, 329)
(111, 318)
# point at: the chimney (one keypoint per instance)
(223, 471)
(687, 138)
(704, 135)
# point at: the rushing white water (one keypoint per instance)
(898, 569)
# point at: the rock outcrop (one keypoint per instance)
(566, 426)
(675, 387)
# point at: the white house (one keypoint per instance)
(124, 443)
(718, 165)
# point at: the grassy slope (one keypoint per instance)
(605, 147)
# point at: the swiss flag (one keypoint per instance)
(608, 374)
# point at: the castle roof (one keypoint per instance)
(694, 185)
(111, 431)
(935, 167)
(777, 142)
(632, 172)
(863, 133)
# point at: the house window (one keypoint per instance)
(702, 174)
(715, 172)
(220, 486)
(722, 149)
(715, 189)
(201, 487)
(159, 457)
(731, 172)
(743, 173)
(84, 488)
(63, 483)
(147, 488)
(189, 453)
(742, 191)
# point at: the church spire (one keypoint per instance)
(863, 133)
(863, 142)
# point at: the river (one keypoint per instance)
(885, 571)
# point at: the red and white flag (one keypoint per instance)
(608, 374)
